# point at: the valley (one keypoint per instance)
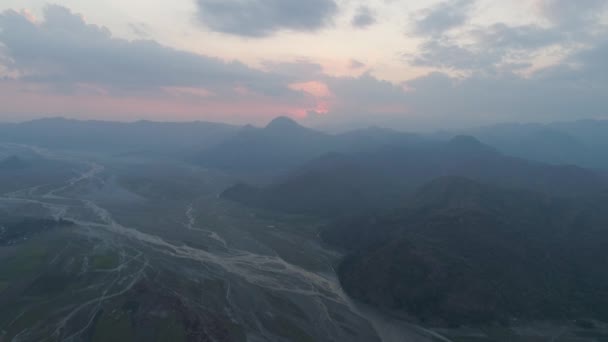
(136, 260)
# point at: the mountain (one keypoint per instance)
(580, 143)
(283, 124)
(368, 139)
(590, 132)
(116, 137)
(281, 144)
(284, 144)
(332, 184)
(462, 252)
(340, 183)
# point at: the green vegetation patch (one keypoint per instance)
(285, 328)
(116, 328)
(105, 261)
(51, 283)
(170, 330)
(29, 258)
(236, 332)
(594, 335)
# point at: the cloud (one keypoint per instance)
(298, 70)
(262, 18)
(447, 54)
(63, 50)
(585, 68)
(575, 88)
(500, 47)
(487, 48)
(486, 99)
(356, 64)
(141, 30)
(503, 37)
(442, 17)
(62, 63)
(572, 14)
(364, 18)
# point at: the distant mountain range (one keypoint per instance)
(284, 144)
(341, 183)
(580, 143)
(116, 137)
(452, 232)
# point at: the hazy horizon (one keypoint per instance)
(327, 128)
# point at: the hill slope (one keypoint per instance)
(281, 144)
(465, 253)
(580, 142)
(343, 183)
(284, 144)
(115, 137)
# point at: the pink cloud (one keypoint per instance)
(314, 88)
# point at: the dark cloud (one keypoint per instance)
(439, 100)
(573, 15)
(503, 37)
(63, 50)
(355, 64)
(501, 47)
(449, 54)
(442, 17)
(585, 68)
(487, 47)
(489, 86)
(507, 97)
(141, 30)
(573, 89)
(261, 18)
(364, 18)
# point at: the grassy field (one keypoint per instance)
(27, 260)
(113, 328)
(503, 334)
(105, 261)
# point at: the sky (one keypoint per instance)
(338, 64)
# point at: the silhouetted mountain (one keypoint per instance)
(590, 132)
(116, 137)
(330, 185)
(284, 124)
(461, 252)
(340, 183)
(373, 138)
(281, 144)
(285, 144)
(581, 143)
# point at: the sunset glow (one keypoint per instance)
(130, 60)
